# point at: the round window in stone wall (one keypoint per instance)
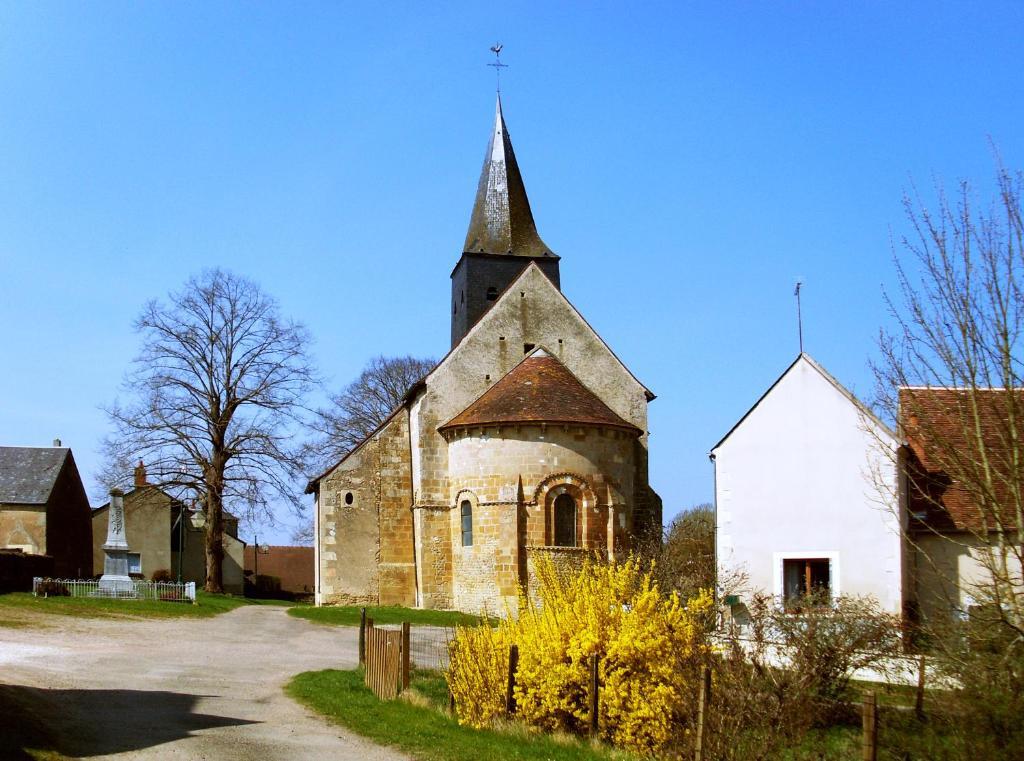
(349, 498)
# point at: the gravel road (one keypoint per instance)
(182, 688)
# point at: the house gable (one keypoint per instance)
(809, 474)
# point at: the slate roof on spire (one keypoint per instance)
(540, 389)
(502, 222)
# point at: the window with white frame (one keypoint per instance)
(805, 577)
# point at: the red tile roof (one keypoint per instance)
(540, 389)
(947, 455)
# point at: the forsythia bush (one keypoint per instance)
(643, 640)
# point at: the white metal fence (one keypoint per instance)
(133, 590)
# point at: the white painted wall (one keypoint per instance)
(797, 478)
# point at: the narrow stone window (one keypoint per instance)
(349, 498)
(492, 294)
(565, 521)
(527, 348)
(467, 523)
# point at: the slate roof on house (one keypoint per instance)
(27, 474)
(938, 425)
(540, 389)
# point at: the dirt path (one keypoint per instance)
(182, 689)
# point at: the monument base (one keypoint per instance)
(115, 581)
(116, 586)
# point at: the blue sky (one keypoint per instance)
(688, 162)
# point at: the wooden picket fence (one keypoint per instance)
(386, 657)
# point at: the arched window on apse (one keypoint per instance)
(565, 521)
(466, 510)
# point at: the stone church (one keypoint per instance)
(528, 438)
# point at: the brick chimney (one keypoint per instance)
(140, 475)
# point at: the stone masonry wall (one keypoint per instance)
(366, 523)
(434, 550)
(485, 575)
(512, 478)
(532, 311)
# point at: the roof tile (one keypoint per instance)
(539, 389)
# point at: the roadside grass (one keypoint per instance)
(348, 615)
(419, 724)
(900, 736)
(15, 603)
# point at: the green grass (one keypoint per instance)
(97, 607)
(348, 615)
(421, 727)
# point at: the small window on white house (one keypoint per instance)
(466, 510)
(805, 577)
(134, 562)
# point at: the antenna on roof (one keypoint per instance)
(799, 315)
(498, 65)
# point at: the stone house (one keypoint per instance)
(806, 495)
(166, 534)
(529, 438)
(947, 433)
(44, 509)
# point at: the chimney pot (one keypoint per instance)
(56, 442)
(140, 475)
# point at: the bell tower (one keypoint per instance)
(502, 238)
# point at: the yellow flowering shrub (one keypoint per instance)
(478, 672)
(643, 640)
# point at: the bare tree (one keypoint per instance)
(357, 411)
(952, 368)
(218, 391)
(367, 402)
(686, 556)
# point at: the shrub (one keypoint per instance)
(52, 588)
(645, 642)
(162, 576)
(981, 660)
(791, 672)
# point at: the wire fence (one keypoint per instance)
(428, 647)
(132, 589)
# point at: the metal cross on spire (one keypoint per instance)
(498, 65)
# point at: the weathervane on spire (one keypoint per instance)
(498, 65)
(799, 314)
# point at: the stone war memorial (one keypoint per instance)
(115, 580)
(528, 439)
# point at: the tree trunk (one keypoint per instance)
(215, 533)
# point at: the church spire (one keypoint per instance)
(502, 222)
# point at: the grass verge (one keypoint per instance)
(348, 615)
(419, 725)
(15, 603)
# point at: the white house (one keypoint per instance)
(805, 493)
